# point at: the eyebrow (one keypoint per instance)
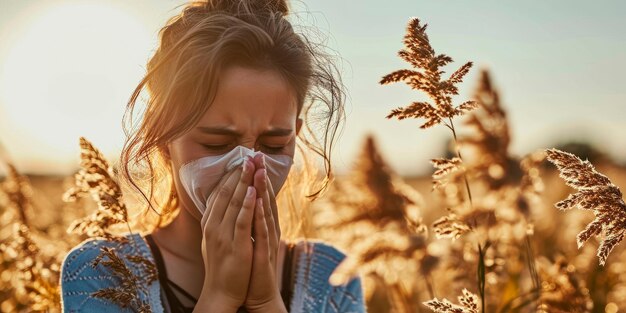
(229, 132)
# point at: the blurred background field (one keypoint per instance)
(554, 233)
(558, 70)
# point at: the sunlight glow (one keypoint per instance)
(70, 74)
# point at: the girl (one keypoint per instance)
(232, 90)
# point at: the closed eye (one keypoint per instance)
(270, 149)
(216, 147)
(274, 149)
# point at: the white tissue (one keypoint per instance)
(199, 177)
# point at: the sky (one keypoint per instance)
(67, 69)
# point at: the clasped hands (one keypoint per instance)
(238, 271)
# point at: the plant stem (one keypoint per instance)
(481, 276)
(481, 261)
(531, 265)
(429, 286)
(458, 152)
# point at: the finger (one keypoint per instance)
(261, 239)
(226, 194)
(273, 206)
(270, 202)
(260, 184)
(243, 226)
(263, 185)
(259, 162)
(211, 200)
(236, 202)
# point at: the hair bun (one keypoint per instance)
(239, 7)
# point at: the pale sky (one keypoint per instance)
(68, 67)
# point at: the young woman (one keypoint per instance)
(232, 90)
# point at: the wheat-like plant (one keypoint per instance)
(377, 216)
(427, 77)
(468, 303)
(34, 275)
(18, 190)
(595, 192)
(562, 290)
(126, 293)
(509, 184)
(95, 179)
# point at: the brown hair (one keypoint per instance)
(195, 46)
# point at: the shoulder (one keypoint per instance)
(317, 260)
(78, 259)
(86, 269)
(81, 259)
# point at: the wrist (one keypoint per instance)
(215, 303)
(274, 306)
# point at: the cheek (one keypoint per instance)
(184, 200)
(179, 154)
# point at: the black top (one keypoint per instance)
(176, 306)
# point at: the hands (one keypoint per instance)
(226, 246)
(263, 293)
(236, 270)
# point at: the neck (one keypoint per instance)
(182, 239)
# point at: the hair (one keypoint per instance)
(182, 77)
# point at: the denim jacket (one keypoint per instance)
(312, 291)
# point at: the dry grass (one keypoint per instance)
(426, 76)
(481, 226)
(595, 192)
(468, 301)
(29, 274)
(96, 180)
(36, 272)
(495, 237)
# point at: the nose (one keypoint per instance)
(256, 146)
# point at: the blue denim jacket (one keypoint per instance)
(312, 291)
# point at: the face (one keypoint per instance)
(252, 108)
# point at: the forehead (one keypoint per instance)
(252, 98)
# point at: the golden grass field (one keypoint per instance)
(482, 234)
(553, 241)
